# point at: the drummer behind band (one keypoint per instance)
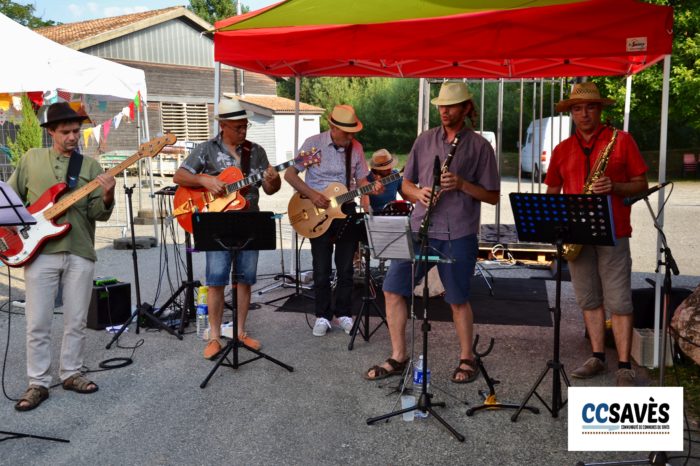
(382, 165)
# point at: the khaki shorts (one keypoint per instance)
(601, 276)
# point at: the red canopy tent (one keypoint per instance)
(447, 38)
(499, 39)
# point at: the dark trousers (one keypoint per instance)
(345, 242)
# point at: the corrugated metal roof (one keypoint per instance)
(277, 104)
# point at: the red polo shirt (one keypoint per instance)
(568, 169)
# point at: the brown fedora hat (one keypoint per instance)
(63, 111)
(344, 117)
(583, 93)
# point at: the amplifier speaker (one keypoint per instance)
(110, 305)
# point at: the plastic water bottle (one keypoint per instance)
(202, 319)
(419, 372)
(202, 292)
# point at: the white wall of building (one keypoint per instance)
(284, 135)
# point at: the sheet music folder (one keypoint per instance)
(12, 210)
(390, 237)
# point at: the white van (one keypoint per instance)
(553, 131)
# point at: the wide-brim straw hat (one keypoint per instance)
(62, 111)
(382, 160)
(344, 117)
(451, 93)
(231, 109)
(583, 93)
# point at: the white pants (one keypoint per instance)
(42, 278)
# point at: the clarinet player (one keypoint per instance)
(472, 178)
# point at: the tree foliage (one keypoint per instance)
(29, 133)
(215, 10)
(684, 90)
(23, 14)
(386, 107)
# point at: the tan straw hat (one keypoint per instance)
(583, 93)
(382, 160)
(451, 93)
(343, 116)
(231, 109)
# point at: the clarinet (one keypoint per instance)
(444, 169)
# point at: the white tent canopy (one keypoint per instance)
(34, 63)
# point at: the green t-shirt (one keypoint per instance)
(40, 169)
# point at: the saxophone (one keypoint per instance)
(571, 251)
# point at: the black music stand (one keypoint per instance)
(234, 232)
(425, 403)
(14, 214)
(143, 309)
(559, 218)
(188, 309)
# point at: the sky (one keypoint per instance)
(70, 11)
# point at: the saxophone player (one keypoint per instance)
(600, 275)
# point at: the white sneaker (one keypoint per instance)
(344, 322)
(321, 327)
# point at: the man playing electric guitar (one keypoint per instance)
(343, 161)
(69, 259)
(228, 149)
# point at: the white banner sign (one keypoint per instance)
(625, 418)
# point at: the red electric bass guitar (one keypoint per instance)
(190, 200)
(19, 245)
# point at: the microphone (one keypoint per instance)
(638, 197)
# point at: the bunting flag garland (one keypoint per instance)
(87, 132)
(117, 119)
(105, 129)
(11, 110)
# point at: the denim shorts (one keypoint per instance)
(219, 267)
(455, 277)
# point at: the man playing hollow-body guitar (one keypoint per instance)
(228, 149)
(342, 161)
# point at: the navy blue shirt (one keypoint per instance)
(378, 201)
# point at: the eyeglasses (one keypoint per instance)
(241, 128)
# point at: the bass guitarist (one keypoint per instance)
(229, 148)
(343, 161)
(70, 259)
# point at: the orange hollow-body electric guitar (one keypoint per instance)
(190, 200)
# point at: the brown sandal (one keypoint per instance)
(34, 396)
(380, 372)
(470, 374)
(79, 383)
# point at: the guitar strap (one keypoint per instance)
(245, 157)
(73, 172)
(348, 160)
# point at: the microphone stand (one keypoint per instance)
(425, 403)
